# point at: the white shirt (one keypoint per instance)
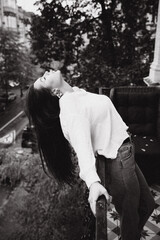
(91, 124)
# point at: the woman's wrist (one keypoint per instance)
(94, 183)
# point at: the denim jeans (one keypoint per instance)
(130, 192)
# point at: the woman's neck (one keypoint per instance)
(65, 87)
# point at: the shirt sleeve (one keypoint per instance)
(77, 131)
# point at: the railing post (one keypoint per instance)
(101, 205)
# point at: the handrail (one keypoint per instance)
(101, 205)
(101, 219)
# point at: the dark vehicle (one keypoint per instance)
(2, 107)
(11, 96)
(29, 138)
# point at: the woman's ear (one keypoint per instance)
(56, 92)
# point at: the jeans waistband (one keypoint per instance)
(125, 142)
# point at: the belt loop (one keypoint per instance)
(130, 136)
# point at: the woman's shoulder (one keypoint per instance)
(67, 104)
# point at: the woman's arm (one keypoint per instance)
(77, 129)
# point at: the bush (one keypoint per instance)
(39, 208)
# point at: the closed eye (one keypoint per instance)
(42, 79)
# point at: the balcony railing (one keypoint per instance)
(101, 205)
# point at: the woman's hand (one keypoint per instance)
(95, 191)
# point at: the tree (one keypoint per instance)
(25, 71)
(15, 61)
(57, 34)
(119, 35)
(8, 51)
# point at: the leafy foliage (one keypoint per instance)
(11, 169)
(38, 207)
(100, 42)
(53, 37)
(15, 60)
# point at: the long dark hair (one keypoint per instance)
(43, 110)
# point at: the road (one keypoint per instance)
(14, 117)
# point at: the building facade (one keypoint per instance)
(14, 18)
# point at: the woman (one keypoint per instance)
(91, 124)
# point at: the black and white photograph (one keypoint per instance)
(79, 119)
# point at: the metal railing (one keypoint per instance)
(101, 205)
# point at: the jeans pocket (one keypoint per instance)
(127, 156)
(126, 151)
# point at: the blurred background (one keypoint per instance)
(98, 45)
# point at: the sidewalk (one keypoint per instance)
(12, 121)
(16, 126)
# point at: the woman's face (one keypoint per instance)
(50, 80)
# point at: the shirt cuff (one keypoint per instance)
(91, 177)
